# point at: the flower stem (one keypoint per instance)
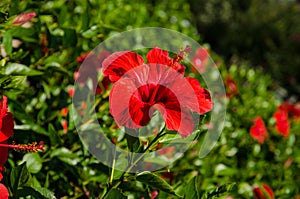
(129, 167)
(113, 167)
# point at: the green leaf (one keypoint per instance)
(65, 155)
(132, 140)
(63, 152)
(85, 19)
(37, 128)
(27, 191)
(92, 32)
(7, 42)
(20, 177)
(70, 38)
(21, 70)
(115, 193)
(25, 34)
(44, 192)
(54, 138)
(155, 181)
(3, 17)
(33, 162)
(12, 82)
(192, 189)
(34, 192)
(219, 190)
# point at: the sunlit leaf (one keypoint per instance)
(155, 181)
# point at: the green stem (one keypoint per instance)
(113, 167)
(159, 135)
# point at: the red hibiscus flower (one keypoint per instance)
(3, 192)
(6, 130)
(24, 17)
(292, 109)
(6, 121)
(282, 123)
(3, 158)
(140, 89)
(231, 87)
(296, 110)
(200, 58)
(263, 192)
(258, 130)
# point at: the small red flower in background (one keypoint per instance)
(153, 194)
(65, 125)
(296, 110)
(168, 151)
(168, 175)
(231, 87)
(64, 111)
(200, 58)
(82, 57)
(24, 17)
(263, 192)
(71, 92)
(153, 86)
(3, 192)
(292, 109)
(258, 130)
(282, 123)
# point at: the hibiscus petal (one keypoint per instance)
(203, 96)
(119, 100)
(3, 191)
(177, 119)
(157, 55)
(139, 111)
(3, 157)
(6, 121)
(117, 64)
(3, 107)
(7, 129)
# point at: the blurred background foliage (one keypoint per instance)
(263, 33)
(254, 43)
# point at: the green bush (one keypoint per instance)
(38, 61)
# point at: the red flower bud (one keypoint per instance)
(263, 192)
(24, 17)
